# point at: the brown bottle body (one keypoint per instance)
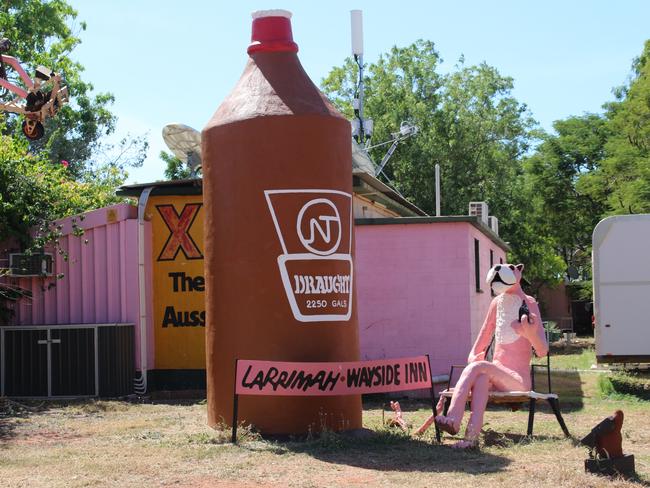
(275, 133)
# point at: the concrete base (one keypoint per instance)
(623, 466)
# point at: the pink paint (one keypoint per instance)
(100, 283)
(278, 378)
(417, 292)
(415, 284)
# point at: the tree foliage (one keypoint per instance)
(594, 166)
(564, 212)
(469, 123)
(548, 190)
(72, 169)
(175, 169)
(74, 154)
(623, 178)
(34, 192)
(45, 32)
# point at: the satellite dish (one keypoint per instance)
(185, 143)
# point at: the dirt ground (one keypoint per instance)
(124, 444)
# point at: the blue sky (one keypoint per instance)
(176, 61)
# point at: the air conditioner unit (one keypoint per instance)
(37, 264)
(493, 222)
(480, 210)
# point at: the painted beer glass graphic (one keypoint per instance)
(314, 228)
(277, 186)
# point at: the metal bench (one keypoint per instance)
(514, 398)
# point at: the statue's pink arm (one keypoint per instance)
(533, 331)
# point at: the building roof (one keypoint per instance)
(192, 186)
(364, 184)
(470, 219)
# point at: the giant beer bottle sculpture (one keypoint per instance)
(277, 185)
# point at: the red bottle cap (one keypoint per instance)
(272, 32)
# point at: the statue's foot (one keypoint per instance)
(466, 444)
(447, 424)
(423, 428)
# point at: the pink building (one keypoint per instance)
(421, 288)
(419, 284)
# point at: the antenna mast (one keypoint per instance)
(361, 128)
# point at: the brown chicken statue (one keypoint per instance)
(606, 450)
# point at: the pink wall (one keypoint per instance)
(416, 290)
(415, 284)
(100, 283)
(480, 302)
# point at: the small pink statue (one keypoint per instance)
(398, 418)
(514, 319)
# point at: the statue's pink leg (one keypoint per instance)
(502, 378)
(480, 393)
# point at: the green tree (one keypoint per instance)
(623, 178)
(34, 192)
(45, 32)
(175, 168)
(469, 123)
(72, 169)
(564, 212)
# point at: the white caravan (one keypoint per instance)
(621, 272)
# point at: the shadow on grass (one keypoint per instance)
(493, 438)
(10, 412)
(385, 450)
(633, 384)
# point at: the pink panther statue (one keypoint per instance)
(514, 319)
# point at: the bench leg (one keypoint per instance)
(531, 416)
(555, 406)
(445, 409)
(438, 433)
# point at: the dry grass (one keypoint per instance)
(120, 444)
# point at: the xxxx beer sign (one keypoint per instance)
(178, 281)
(314, 229)
(179, 238)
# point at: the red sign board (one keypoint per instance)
(347, 378)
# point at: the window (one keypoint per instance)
(492, 264)
(477, 266)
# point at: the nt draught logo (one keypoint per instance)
(315, 229)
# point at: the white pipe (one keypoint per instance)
(437, 190)
(141, 383)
